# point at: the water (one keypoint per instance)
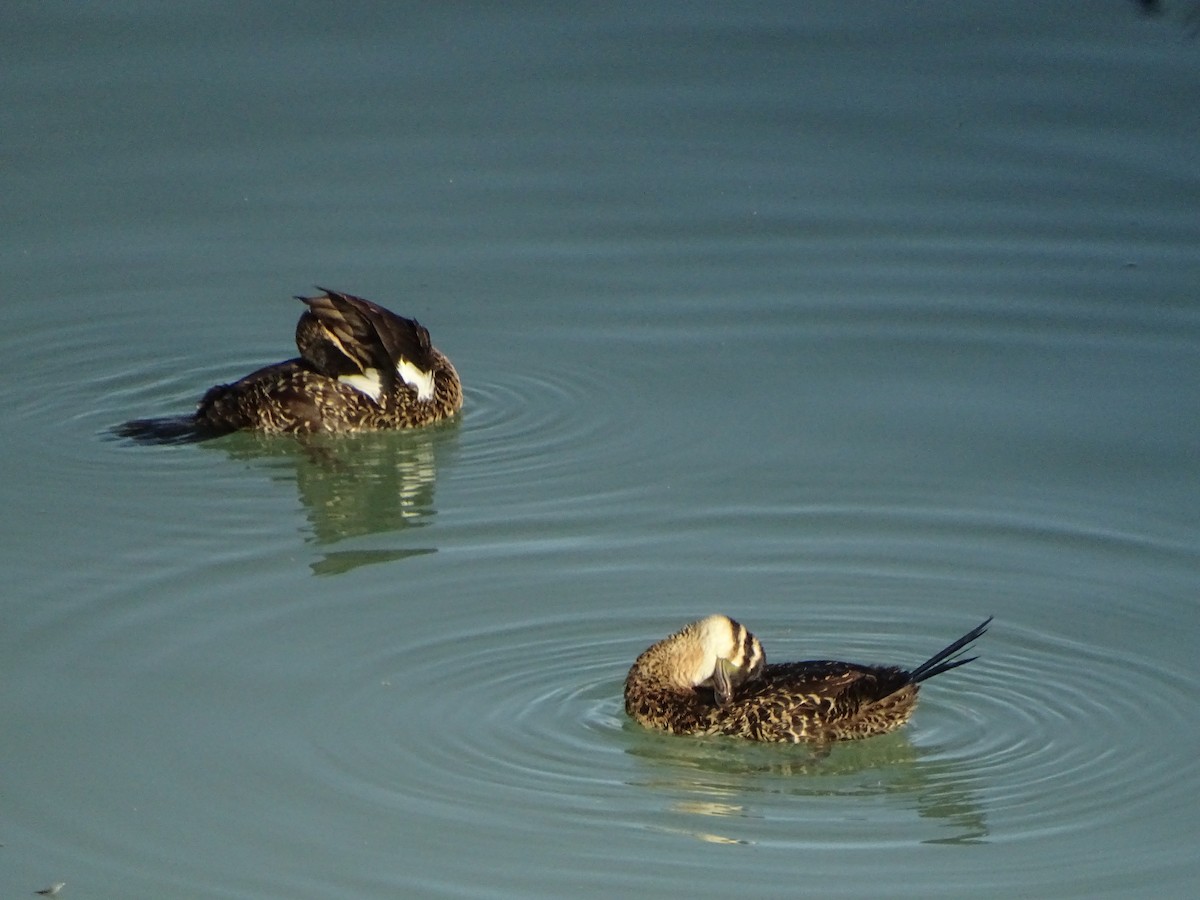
(859, 324)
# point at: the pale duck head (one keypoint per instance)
(720, 653)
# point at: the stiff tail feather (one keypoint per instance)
(950, 657)
(169, 430)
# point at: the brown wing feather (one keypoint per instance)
(373, 337)
(329, 351)
(828, 678)
(815, 700)
(334, 337)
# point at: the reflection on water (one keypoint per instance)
(720, 769)
(823, 320)
(353, 486)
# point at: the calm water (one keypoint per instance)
(858, 323)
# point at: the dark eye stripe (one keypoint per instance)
(745, 645)
(739, 642)
(756, 654)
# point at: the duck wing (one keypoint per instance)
(345, 336)
(828, 687)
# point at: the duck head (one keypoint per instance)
(715, 652)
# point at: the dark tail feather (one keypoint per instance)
(171, 430)
(947, 659)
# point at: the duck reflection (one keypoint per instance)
(354, 486)
(719, 778)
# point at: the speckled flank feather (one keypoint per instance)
(670, 689)
(361, 368)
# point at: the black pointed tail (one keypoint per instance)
(169, 430)
(950, 657)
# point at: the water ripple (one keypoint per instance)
(1053, 715)
(530, 715)
(527, 712)
(522, 426)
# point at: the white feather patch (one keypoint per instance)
(418, 379)
(368, 383)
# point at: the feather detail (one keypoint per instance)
(361, 368)
(711, 677)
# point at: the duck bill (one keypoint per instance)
(722, 683)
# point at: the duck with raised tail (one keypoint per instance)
(712, 677)
(361, 368)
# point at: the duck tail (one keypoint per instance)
(170, 430)
(950, 657)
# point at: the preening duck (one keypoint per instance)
(712, 677)
(361, 368)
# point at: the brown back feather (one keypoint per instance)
(340, 328)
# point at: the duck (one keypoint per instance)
(361, 368)
(712, 678)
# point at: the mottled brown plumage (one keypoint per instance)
(361, 368)
(711, 677)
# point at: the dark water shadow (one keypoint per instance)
(888, 766)
(1186, 13)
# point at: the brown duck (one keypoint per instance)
(361, 368)
(712, 677)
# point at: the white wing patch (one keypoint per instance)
(418, 379)
(368, 383)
